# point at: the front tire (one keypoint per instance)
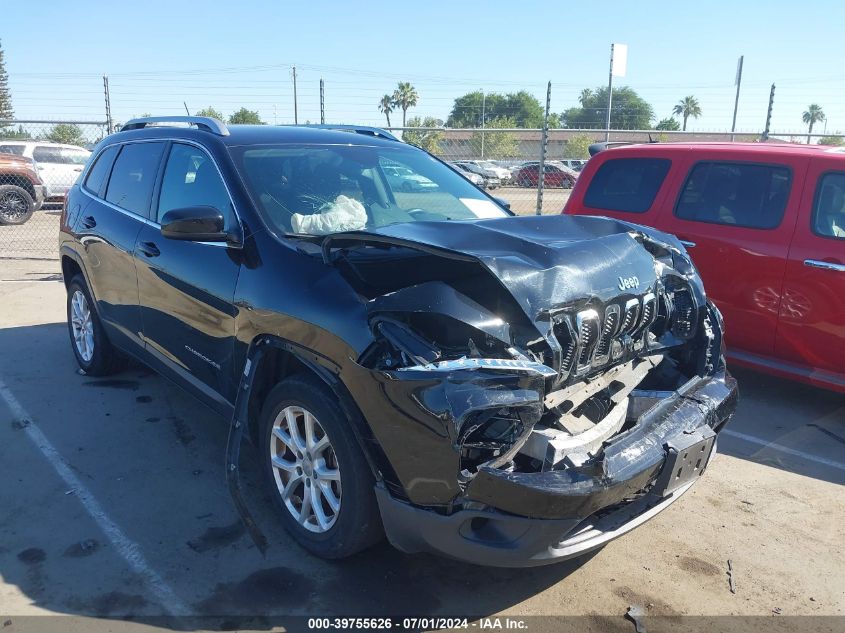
(316, 471)
(94, 353)
(16, 205)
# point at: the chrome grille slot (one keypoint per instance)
(649, 312)
(632, 314)
(568, 342)
(588, 326)
(611, 327)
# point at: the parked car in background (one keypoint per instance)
(554, 175)
(575, 164)
(765, 225)
(403, 179)
(21, 189)
(490, 175)
(510, 391)
(58, 165)
(474, 177)
(491, 169)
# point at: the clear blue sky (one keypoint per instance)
(226, 54)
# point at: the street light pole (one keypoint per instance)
(736, 101)
(483, 109)
(609, 95)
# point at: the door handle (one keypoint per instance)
(687, 244)
(817, 263)
(89, 222)
(149, 249)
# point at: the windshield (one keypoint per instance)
(322, 189)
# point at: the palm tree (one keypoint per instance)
(585, 95)
(385, 105)
(687, 107)
(405, 96)
(814, 114)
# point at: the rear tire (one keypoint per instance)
(319, 478)
(94, 353)
(16, 205)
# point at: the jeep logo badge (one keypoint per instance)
(626, 283)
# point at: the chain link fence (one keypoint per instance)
(39, 162)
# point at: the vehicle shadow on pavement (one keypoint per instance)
(776, 414)
(154, 460)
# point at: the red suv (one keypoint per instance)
(765, 225)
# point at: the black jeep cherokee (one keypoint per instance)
(505, 390)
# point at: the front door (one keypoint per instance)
(811, 330)
(186, 289)
(59, 167)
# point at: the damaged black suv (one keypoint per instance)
(409, 360)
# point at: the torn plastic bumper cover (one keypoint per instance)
(532, 518)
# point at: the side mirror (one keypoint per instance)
(503, 203)
(195, 224)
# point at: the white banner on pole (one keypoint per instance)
(620, 60)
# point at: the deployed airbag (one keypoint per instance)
(344, 214)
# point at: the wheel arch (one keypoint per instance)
(20, 181)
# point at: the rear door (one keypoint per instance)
(119, 187)
(811, 329)
(187, 289)
(737, 218)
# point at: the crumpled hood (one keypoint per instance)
(543, 261)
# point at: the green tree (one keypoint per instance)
(832, 140)
(405, 97)
(686, 108)
(629, 111)
(20, 133)
(812, 115)
(578, 146)
(584, 97)
(67, 133)
(521, 107)
(243, 115)
(669, 123)
(6, 111)
(211, 112)
(497, 144)
(429, 140)
(385, 106)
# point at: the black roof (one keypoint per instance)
(259, 134)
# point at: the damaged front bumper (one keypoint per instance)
(517, 519)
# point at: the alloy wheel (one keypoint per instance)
(13, 206)
(82, 326)
(305, 469)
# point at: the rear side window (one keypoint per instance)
(829, 207)
(98, 173)
(17, 150)
(627, 184)
(740, 194)
(133, 176)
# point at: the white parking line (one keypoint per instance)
(127, 548)
(784, 449)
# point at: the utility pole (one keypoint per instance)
(295, 114)
(543, 142)
(738, 82)
(483, 108)
(765, 136)
(108, 104)
(618, 67)
(322, 102)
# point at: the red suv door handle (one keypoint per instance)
(817, 263)
(688, 244)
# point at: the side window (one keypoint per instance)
(12, 149)
(133, 176)
(191, 179)
(829, 206)
(47, 154)
(627, 184)
(741, 194)
(99, 172)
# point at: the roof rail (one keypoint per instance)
(595, 148)
(357, 129)
(206, 123)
